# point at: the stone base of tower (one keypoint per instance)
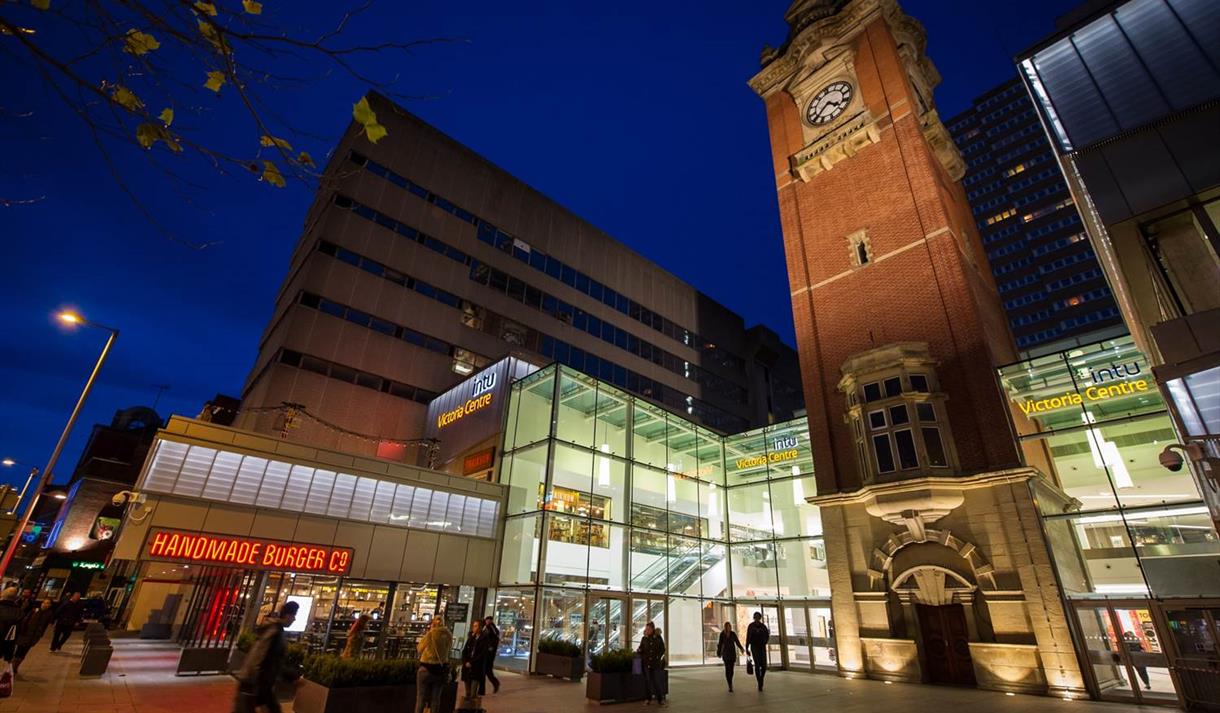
(948, 580)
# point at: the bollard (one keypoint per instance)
(95, 661)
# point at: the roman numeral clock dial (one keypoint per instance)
(829, 103)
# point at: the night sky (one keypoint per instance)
(635, 115)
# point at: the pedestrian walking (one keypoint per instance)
(726, 649)
(67, 616)
(492, 633)
(1132, 642)
(31, 631)
(433, 674)
(355, 638)
(10, 622)
(264, 665)
(474, 660)
(27, 602)
(757, 636)
(652, 658)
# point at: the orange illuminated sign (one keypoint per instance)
(248, 552)
(478, 462)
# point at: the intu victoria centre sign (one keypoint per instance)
(1106, 383)
(481, 396)
(783, 449)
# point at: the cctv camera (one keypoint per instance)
(1171, 459)
(119, 498)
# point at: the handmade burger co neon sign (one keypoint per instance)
(248, 552)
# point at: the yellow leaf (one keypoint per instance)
(206, 8)
(305, 159)
(212, 35)
(364, 114)
(126, 99)
(252, 7)
(148, 134)
(272, 141)
(167, 116)
(41, 4)
(272, 175)
(215, 81)
(139, 43)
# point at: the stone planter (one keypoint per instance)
(569, 667)
(621, 687)
(203, 660)
(315, 698)
(236, 660)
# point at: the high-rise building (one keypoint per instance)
(1045, 269)
(938, 569)
(422, 262)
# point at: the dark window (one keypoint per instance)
(290, 357)
(315, 365)
(401, 390)
(936, 450)
(342, 373)
(309, 300)
(927, 412)
(349, 257)
(537, 260)
(418, 190)
(905, 441)
(872, 392)
(384, 327)
(554, 268)
(885, 457)
(893, 386)
(582, 282)
(569, 276)
(899, 415)
(332, 308)
(516, 289)
(358, 317)
(368, 381)
(919, 383)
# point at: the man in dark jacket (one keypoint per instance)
(652, 658)
(67, 616)
(10, 622)
(492, 633)
(264, 664)
(757, 636)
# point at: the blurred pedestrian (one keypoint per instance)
(652, 658)
(10, 622)
(757, 636)
(355, 638)
(492, 633)
(474, 660)
(67, 616)
(726, 650)
(433, 674)
(264, 665)
(31, 631)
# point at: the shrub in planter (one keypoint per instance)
(338, 685)
(237, 658)
(334, 672)
(613, 661)
(612, 678)
(559, 658)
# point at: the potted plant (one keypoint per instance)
(559, 658)
(337, 685)
(612, 679)
(245, 642)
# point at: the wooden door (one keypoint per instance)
(946, 644)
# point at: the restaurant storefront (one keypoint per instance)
(233, 524)
(620, 513)
(1134, 545)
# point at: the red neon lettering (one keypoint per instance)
(158, 543)
(269, 554)
(201, 544)
(230, 551)
(338, 560)
(302, 557)
(243, 551)
(216, 549)
(255, 548)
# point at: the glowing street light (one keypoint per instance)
(73, 318)
(9, 463)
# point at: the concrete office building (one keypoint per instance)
(1045, 269)
(421, 262)
(1129, 94)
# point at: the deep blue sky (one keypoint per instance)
(635, 115)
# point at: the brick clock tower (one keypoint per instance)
(939, 568)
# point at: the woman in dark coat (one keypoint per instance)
(652, 658)
(31, 631)
(474, 659)
(726, 650)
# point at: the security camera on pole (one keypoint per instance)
(70, 318)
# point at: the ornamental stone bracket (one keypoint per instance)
(883, 558)
(942, 144)
(844, 141)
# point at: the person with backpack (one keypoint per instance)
(652, 658)
(757, 636)
(264, 665)
(726, 650)
(492, 633)
(433, 674)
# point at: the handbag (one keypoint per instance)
(749, 666)
(6, 680)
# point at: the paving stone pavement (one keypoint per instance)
(140, 680)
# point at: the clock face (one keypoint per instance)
(829, 103)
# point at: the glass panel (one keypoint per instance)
(572, 482)
(610, 431)
(607, 625)
(904, 442)
(1102, 650)
(883, 454)
(750, 513)
(271, 490)
(745, 457)
(577, 408)
(438, 512)
(519, 561)
(1178, 548)
(362, 498)
(788, 449)
(222, 475)
(194, 471)
(793, 516)
(648, 429)
(770, 618)
(802, 569)
(533, 409)
(649, 566)
(609, 488)
(166, 464)
(711, 457)
(754, 571)
(934, 448)
(684, 639)
(319, 491)
(420, 503)
(341, 495)
(685, 566)
(514, 613)
(712, 510)
(1187, 261)
(1192, 633)
(297, 488)
(526, 472)
(642, 612)
(249, 476)
(682, 494)
(562, 616)
(682, 448)
(608, 556)
(796, 637)
(1147, 656)
(822, 637)
(567, 550)
(715, 567)
(648, 498)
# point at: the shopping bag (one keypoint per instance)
(637, 665)
(6, 680)
(749, 666)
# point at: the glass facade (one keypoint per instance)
(620, 512)
(1119, 522)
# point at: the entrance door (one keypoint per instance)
(1126, 653)
(771, 617)
(822, 639)
(946, 644)
(607, 624)
(643, 610)
(796, 637)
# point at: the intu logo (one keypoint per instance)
(784, 443)
(484, 383)
(1114, 371)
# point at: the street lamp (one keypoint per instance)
(9, 463)
(71, 318)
